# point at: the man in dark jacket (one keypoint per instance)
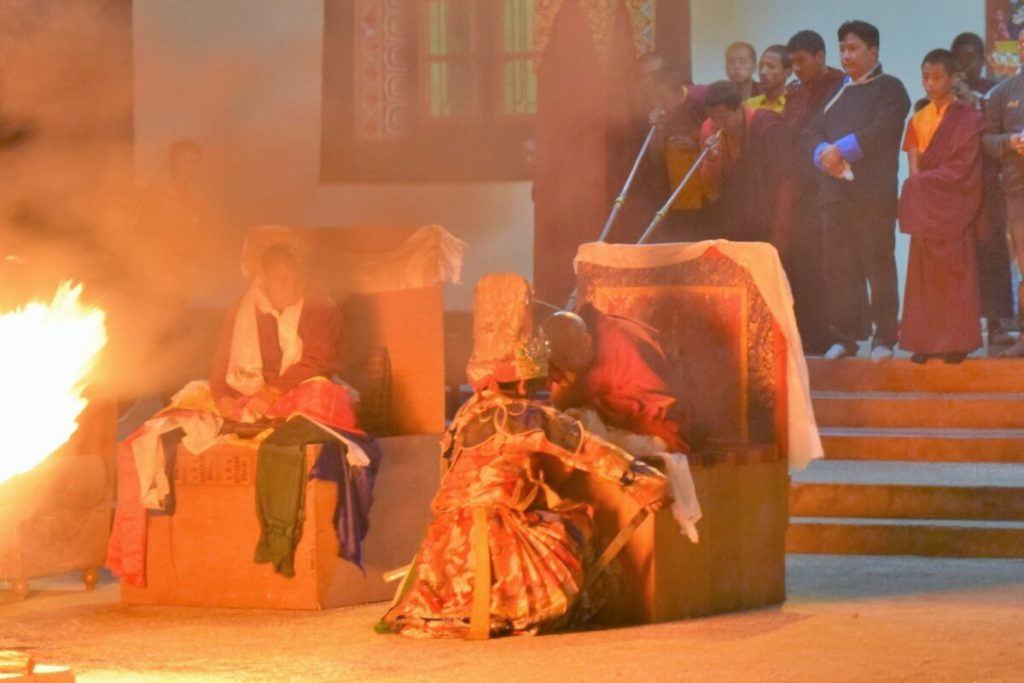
(856, 144)
(1003, 141)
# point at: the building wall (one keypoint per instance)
(243, 77)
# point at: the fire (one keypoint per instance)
(46, 353)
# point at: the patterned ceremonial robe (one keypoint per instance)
(497, 497)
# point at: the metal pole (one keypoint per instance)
(621, 199)
(663, 211)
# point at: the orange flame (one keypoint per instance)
(46, 353)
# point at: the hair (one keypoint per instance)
(862, 29)
(744, 46)
(943, 57)
(806, 41)
(279, 254)
(965, 39)
(781, 52)
(921, 104)
(723, 93)
(184, 146)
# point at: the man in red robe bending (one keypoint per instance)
(939, 207)
(615, 366)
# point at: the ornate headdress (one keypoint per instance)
(505, 346)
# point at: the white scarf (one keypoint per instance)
(245, 364)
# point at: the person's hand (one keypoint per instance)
(659, 504)
(712, 146)
(227, 406)
(832, 161)
(260, 404)
(658, 117)
(1017, 143)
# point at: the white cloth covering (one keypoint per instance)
(762, 261)
(245, 363)
(685, 506)
(201, 431)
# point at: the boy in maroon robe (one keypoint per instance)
(939, 207)
(616, 366)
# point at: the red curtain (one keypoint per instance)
(582, 108)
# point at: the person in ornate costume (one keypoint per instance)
(505, 553)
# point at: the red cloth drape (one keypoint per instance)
(582, 105)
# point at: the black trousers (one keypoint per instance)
(860, 241)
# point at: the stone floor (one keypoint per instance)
(847, 619)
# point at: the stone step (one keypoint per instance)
(811, 536)
(887, 501)
(982, 375)
(924, 445)
(919, 409)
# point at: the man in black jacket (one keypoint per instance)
(1003, 141)
(856, 144)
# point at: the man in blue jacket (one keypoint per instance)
(855, 142)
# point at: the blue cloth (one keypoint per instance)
(355, 493)
(848, 147)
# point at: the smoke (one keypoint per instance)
(69, 204)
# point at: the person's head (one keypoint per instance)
(938, 75)
(807, 55)
(724, 104)
(774, 69)
(670, 88)
(858, 47)
(281, 277)
(570, 343)
(184, 162)
(969, 51)
(740, 62)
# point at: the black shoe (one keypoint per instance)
(920, 358)
(954, 358)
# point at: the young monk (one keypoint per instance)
(740, 63)
(939, 207)
(774, 70)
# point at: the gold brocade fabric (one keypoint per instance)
(600, 17)
(504, 451)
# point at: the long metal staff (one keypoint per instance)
(663, 211)
(621, 199)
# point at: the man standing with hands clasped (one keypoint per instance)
(856, 144)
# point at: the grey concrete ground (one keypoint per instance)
(847, 619)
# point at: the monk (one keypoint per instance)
(774, 71)
(506, 553)
(805, 267)
(939, 208)
(282, 333)
(740, 64)
(747, 172)
(616, 366)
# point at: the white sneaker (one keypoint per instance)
(880, 353)
(836, 351)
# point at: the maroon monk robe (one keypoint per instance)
(751, 181)
(939, 208)
(625, 384)
(320, 331)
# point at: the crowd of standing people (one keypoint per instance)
(807, 156)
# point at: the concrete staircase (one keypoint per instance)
(920, 460)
